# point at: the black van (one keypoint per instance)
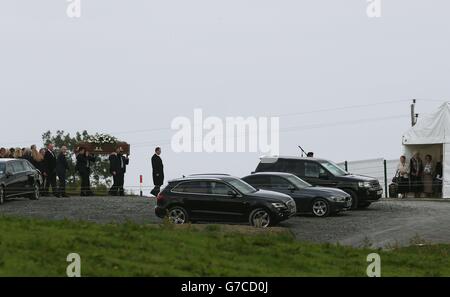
(319, 172)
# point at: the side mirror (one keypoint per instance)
(232, 194)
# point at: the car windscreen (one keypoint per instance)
(298, 182)
(241, 186)
(333, 168)
(2, 168)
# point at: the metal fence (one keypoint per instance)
(381, 169)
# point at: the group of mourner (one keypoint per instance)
(53, 166)
(421, 177)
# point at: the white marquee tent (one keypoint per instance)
(431, 135)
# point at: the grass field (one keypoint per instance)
(39, 248)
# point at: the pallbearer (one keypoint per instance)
(118, 168)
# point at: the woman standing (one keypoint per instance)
(403, 177)
(428, 173)
(416, 171)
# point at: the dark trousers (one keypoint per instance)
(113, 190)
(62, 184)
(117, 187)
(50, 181)
(85, 184)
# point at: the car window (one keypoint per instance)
(195, 187)
(333, 168)
(259, 181)
(314, 170)
(293, 166)
(17, 166)
(218, 188)
(279, 183)
(2, 168)
(242, 186)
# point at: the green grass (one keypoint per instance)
(39, 248)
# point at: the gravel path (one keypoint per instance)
(383, 224)
(93, 209)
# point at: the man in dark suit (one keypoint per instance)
(158, 172)
(50, 170)
(61, 168)
(83, 167)
(118, 168)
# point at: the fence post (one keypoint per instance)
(386, 193)
(346, 166)
(140, 184)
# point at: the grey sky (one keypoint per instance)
(135, 65)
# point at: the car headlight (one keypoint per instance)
(337, 198)
(364, 184)
(279, 205)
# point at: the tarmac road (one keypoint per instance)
(384, 224)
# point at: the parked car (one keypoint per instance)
(319, 172)
(221, 198)
(18, 178)
(319, 201)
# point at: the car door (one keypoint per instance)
(20, 177)
(315, 174)
(226, 206)
(31, 176)
(282, 185)
(196, 199)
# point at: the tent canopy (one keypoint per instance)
(431, 135)
(433, 128)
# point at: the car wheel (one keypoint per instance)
(2, 195)
(320, 208)
(354, 198)
(260, 218)
(36, 192)
(178, 215)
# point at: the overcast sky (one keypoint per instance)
(129, 66)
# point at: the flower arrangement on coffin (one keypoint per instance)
(103, 144)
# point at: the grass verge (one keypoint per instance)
(31, 247)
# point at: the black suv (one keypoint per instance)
(319, 172)
(319, 201)
(18, 178)
(222, 198)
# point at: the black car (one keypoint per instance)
(18, 178)
(222, 198)
(319, 201)
(319, 172)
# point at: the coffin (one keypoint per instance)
(104, 148)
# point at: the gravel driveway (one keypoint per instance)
(384, 224)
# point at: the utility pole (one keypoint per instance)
(414, 115)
